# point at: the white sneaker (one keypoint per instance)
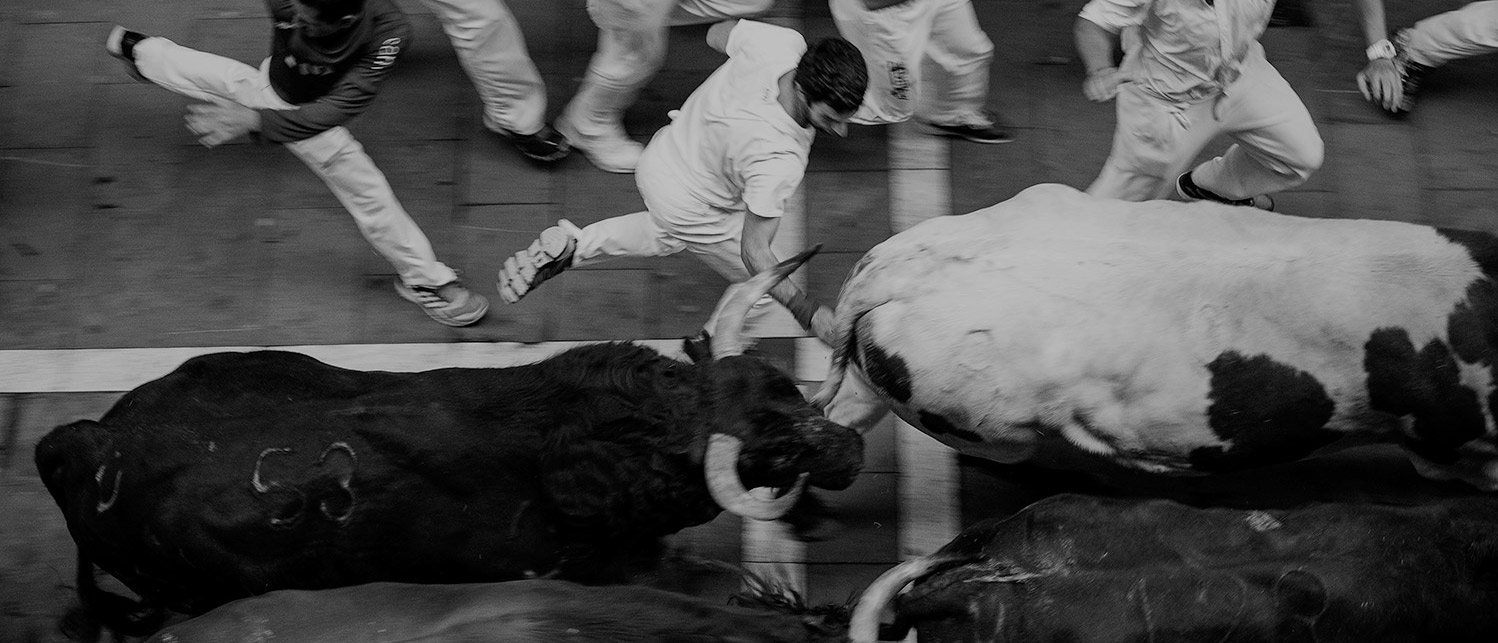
(612, 152)
(547, 257)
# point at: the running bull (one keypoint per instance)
(242, 473)
(1081, 568)
(529, 611)
(1173, 338)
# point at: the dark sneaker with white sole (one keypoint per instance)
(121, 44)
(1187, 189)
(979, 128)
(547, 257)
(546, 145)
(450, 304)
(986, 135)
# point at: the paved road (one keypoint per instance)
(118, 232)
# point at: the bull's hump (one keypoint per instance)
(1264, 411)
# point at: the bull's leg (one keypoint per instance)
(856, 405)
(812, 519)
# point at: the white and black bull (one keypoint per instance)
(1081, 568)
(242, 473)
(1173, 337)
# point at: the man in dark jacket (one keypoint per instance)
(327, 60)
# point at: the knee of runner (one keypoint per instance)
(1308, 160)
(630, 67)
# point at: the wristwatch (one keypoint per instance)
(1380, 49)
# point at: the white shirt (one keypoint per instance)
(1189, 50)
(732, 144)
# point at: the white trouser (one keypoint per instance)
(492, 50)
(671, 224)
(1469, 31)
(631, 48)
(1276, 145)
(926, 58)
(333, 155)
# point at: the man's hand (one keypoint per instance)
(1381, 84)
(823, 325)
(1101, 85)
(215, 124)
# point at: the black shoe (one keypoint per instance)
(546, 145)
(1187, 189)
(987, 134)
(121, 44)
(975, 133)
(1411, 74)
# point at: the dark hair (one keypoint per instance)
(833, 72)
(334, 10)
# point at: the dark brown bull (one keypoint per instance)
(243, 473)
(535, 611)
(1081, 568)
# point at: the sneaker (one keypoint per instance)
(546, 145)
(547, 257)
(449, 304)
(121, 44)
(612, 152)
(1187, 189)
(1411, 73)
(984, 131)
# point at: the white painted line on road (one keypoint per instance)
(121, 369)
(920, 188)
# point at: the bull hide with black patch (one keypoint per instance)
(1170, 337)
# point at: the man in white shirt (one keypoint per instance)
(716, 179)
(1196, 70)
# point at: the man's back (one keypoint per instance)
(733, 126)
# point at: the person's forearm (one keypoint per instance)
(1095, 45)
(1371, 14)
(759, 259)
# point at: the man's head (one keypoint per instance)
(832, 79)
(326, 17)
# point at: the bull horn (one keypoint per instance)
(864, 626)
(722, 465)
(733, 308)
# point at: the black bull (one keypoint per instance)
(536, 611)
(242, 473)
(1081, 568)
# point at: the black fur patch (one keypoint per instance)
(1424, 384)
(938, 425)
(886, 371)
(1269, 412)
(1483, 247)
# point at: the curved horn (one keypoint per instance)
(864, 626)
(722, 470)
(734, 306)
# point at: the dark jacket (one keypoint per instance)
(331, 79)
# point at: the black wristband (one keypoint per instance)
(802, 308)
